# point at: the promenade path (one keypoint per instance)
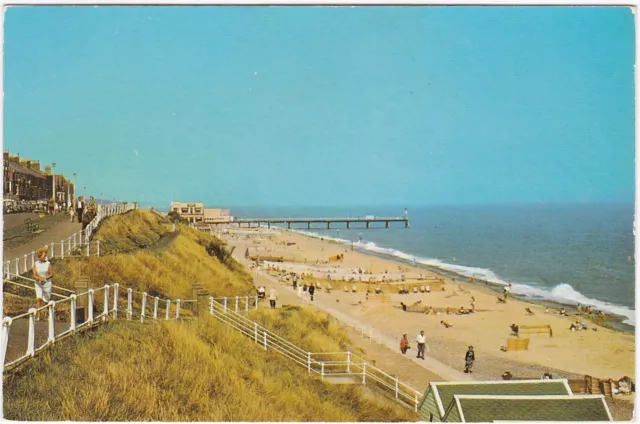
(415, 372)
(61, 229)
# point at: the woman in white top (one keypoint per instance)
(43, 273)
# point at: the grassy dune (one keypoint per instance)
(164, 263)
(189, 371)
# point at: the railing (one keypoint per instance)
(20, 282)
(237, 303)
(78, 244)
(63, 318)
(105, 211)
(322, 363)
(72, 247)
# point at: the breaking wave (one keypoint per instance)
(563, 292)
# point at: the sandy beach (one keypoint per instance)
(603, 353)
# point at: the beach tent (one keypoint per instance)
(482, 409)
(439, 395)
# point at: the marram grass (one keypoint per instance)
(199, 370)
(169, 271)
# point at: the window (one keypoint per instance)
(185, 210)
(198, 210)
(176, 209)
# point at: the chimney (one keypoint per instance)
(47, 170)
(15, 158)
(26, 162)
(35, 165)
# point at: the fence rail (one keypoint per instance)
(322, 363)
(99, 305)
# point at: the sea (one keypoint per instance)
(567, 253)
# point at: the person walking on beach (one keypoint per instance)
(404, 344)
(312, 290)
(468, 360)
(273, 296)
(422, 343)
(42, 273)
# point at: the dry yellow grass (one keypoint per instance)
(190, 371)
(167, 267)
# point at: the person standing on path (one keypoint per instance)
(404, 344)
(79, 209)
(422, 343)
(468, 360)
(43, 273)
(273, 296)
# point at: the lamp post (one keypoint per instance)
(29, 190)
(85, 192)
(74, 185)
(7, 184)
(53, 186)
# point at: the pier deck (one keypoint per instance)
(328, 221)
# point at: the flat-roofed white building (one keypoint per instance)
(192, 212)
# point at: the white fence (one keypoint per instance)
(78, 244)
(21, 337)
(325, 364)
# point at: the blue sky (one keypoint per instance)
(326, 105)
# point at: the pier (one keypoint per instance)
(324, 221)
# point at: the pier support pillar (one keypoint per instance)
(289, 225)
(348, 224)
(406, 224)
(368, 223)
(308, 225)
(268, 225)
(328, 225)
(387, 224)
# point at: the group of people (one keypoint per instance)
(421, 342)
(82, 210)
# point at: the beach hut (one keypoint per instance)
(482, 409)
(439, 395)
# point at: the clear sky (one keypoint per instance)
(326, 105)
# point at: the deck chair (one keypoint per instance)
(415, 289)
(346, 289)
(353, 288)
(378, 290)
(401, 290)
(423, 289)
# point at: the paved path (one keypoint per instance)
(61, 231)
